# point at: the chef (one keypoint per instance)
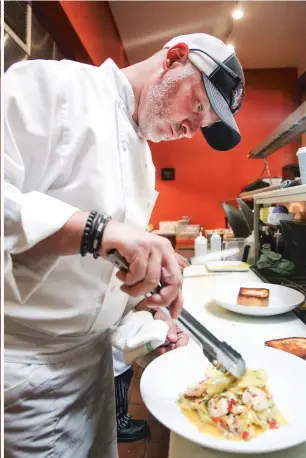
(79, 181)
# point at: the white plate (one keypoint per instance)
(227, 266)
(170, 374)
(282, 299)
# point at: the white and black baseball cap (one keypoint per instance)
(224, 83)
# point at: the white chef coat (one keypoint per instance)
(70, 143)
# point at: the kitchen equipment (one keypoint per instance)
(217, 352)
(281, 299)
(169, 375)
(247, 213)
(236, 219)
(276, 215)
(215, 242)
(168, 226)
(120, 262)
(291, 128)
(235, 243)
(200, 245)
(290, 172)
(301, 154)
(186, 235)
(184, 220)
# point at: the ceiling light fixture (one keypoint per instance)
(237, 13)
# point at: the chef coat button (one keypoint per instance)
(146, 166)
(124, 146)
(148, 205)
(113, 289)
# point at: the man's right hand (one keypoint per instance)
(151, 259)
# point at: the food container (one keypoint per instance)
(301, 154)
(186, 235)
(235, 243)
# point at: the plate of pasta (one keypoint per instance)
(263, 411)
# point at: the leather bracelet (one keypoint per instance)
(93, 233)
(97, 242)
(85, 237)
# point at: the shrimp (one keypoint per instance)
(256, 397)
(217, 408)
(195, 391)
(233, 405)
(230, 396)
(239, 409)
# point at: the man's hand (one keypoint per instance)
(182, 261)
(151, 259)
(176, 336)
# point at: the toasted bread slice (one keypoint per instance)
(294, 345)
(254, 297)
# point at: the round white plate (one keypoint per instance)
(170, 374)
(282, 299)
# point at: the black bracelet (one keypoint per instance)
(97, 242)
(93, 233)
(85, 238)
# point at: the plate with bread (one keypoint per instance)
(258, 299)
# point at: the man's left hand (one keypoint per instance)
(177, 338)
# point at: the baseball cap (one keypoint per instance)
(224, 83)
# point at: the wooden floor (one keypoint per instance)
(158, 443)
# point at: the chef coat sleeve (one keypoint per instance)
(34, 144)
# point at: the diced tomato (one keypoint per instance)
(231, 404)
(273, 424)
(245, 435)
(216, 419)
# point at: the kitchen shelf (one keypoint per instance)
(278, 196)
(290, 129)
(285, 195)
(252, 194)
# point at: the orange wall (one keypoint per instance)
(204, 177)
(96, 29)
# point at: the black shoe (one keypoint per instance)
(135, 430)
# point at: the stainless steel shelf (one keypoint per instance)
(290, 129)
(286, 195)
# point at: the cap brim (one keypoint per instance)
(222, 135)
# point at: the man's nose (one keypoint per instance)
(190, 127)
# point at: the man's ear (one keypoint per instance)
(177, 53)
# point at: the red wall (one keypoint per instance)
(96, 29)
(204, 177)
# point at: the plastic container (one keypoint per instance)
(250, 241)
(301, 154)
(215, 242)
(234, 243)
(186, 235)
(200, 246)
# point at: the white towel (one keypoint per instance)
(138, 334)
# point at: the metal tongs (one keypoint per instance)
(220, 354)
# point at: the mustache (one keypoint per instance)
(178, 128)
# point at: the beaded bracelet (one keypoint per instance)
(93, 233)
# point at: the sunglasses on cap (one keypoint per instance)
(237, 89)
